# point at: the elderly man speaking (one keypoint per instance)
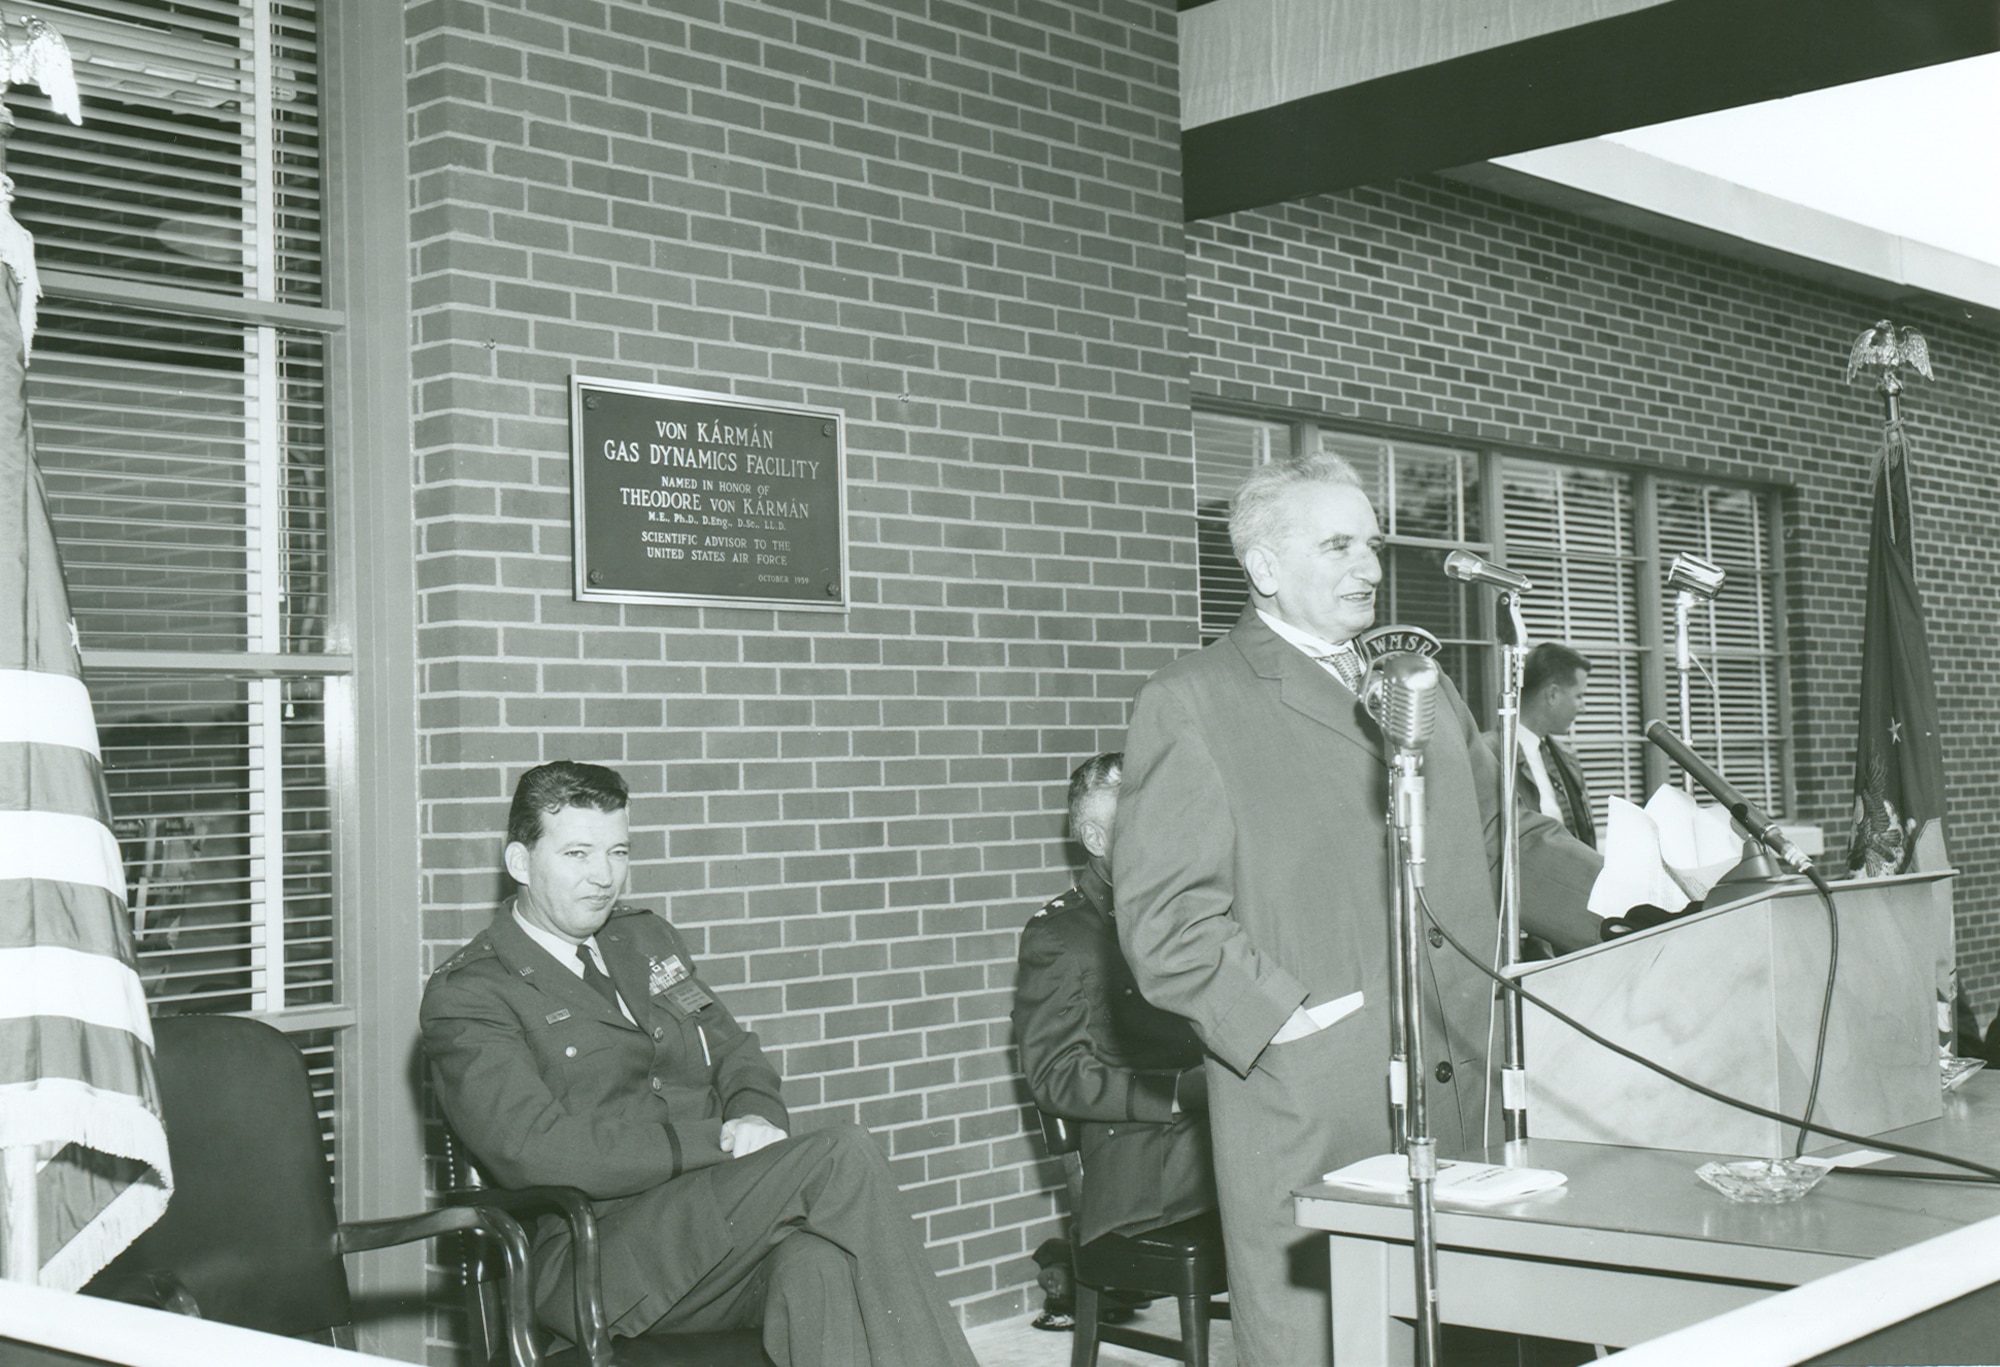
(1252, 871)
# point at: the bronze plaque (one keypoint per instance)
(680, 496)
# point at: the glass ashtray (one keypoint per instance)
(1765, 1181)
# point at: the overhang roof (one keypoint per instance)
(1283, 99)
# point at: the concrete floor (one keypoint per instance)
(1015, 1343)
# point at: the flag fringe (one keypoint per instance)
(63, 1111)
(130, 1213)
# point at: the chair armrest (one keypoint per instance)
(585, 1259)
(358, 1236)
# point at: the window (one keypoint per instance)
(1597, 542)
(1227, 449)
(179, 392)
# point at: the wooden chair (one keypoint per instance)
(484, 1310)
(1182, 1261)
(250, 1237)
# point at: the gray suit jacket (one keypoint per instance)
(1251, 857)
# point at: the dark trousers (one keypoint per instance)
(820, 1253)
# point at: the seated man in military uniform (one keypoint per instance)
(575, 1043)
(1096, 1051)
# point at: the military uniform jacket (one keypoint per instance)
(1095, 1050)
(546, 1082)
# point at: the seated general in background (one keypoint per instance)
(573, 1042)
(1094, 1050)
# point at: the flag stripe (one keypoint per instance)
(44, 1059)
(47, 981)
(68, 915)
(60, 847)
(53, 709)
(50, 778)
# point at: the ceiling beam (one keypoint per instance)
(1646, 66)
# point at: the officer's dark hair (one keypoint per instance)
(548, 788)
(1091, 777)
(1552, 661)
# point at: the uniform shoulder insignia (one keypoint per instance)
(478, 947)
(1060, 903)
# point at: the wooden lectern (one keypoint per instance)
(1730, 997)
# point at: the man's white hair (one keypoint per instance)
(1259, 513)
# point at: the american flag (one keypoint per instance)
(78, 1105)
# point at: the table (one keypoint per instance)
(1635, 1244)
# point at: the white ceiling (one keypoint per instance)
(1916, 154)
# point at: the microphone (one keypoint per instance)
(1468, 568)
(1400, 692)
(1739, 807)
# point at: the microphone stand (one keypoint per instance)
(1684, 663)
(1406, 806)
(1513, 1068)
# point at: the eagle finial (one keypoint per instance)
(44, 62)
(1880, 351)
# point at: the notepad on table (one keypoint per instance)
(1472, 1184)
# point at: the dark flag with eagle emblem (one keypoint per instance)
(1899, 759)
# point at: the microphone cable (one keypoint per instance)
(1989, 1175)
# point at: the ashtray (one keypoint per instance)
(1765, 1181)
(1957, 1070)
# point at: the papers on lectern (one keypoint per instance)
(1666, 854)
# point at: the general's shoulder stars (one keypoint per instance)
(477, 948)
(1061, 903)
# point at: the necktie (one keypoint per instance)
(1346, 663)
(594, 976)
(1568, 793)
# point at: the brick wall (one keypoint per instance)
(957, 223)
(1458, 312)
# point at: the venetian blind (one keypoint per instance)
(1225, 450)
(182, 433)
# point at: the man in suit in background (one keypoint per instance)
(1550, 780)
(1095, 1050)
(1252, 875)
(574, 1043)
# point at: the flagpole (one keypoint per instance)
(1880, 355)
(20, 1217)
(20, 1213)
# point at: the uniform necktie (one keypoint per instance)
(1346, 663)
(1568, 793)
(594, 976)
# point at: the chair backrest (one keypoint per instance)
(1061, 1134)
(251, 1229)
